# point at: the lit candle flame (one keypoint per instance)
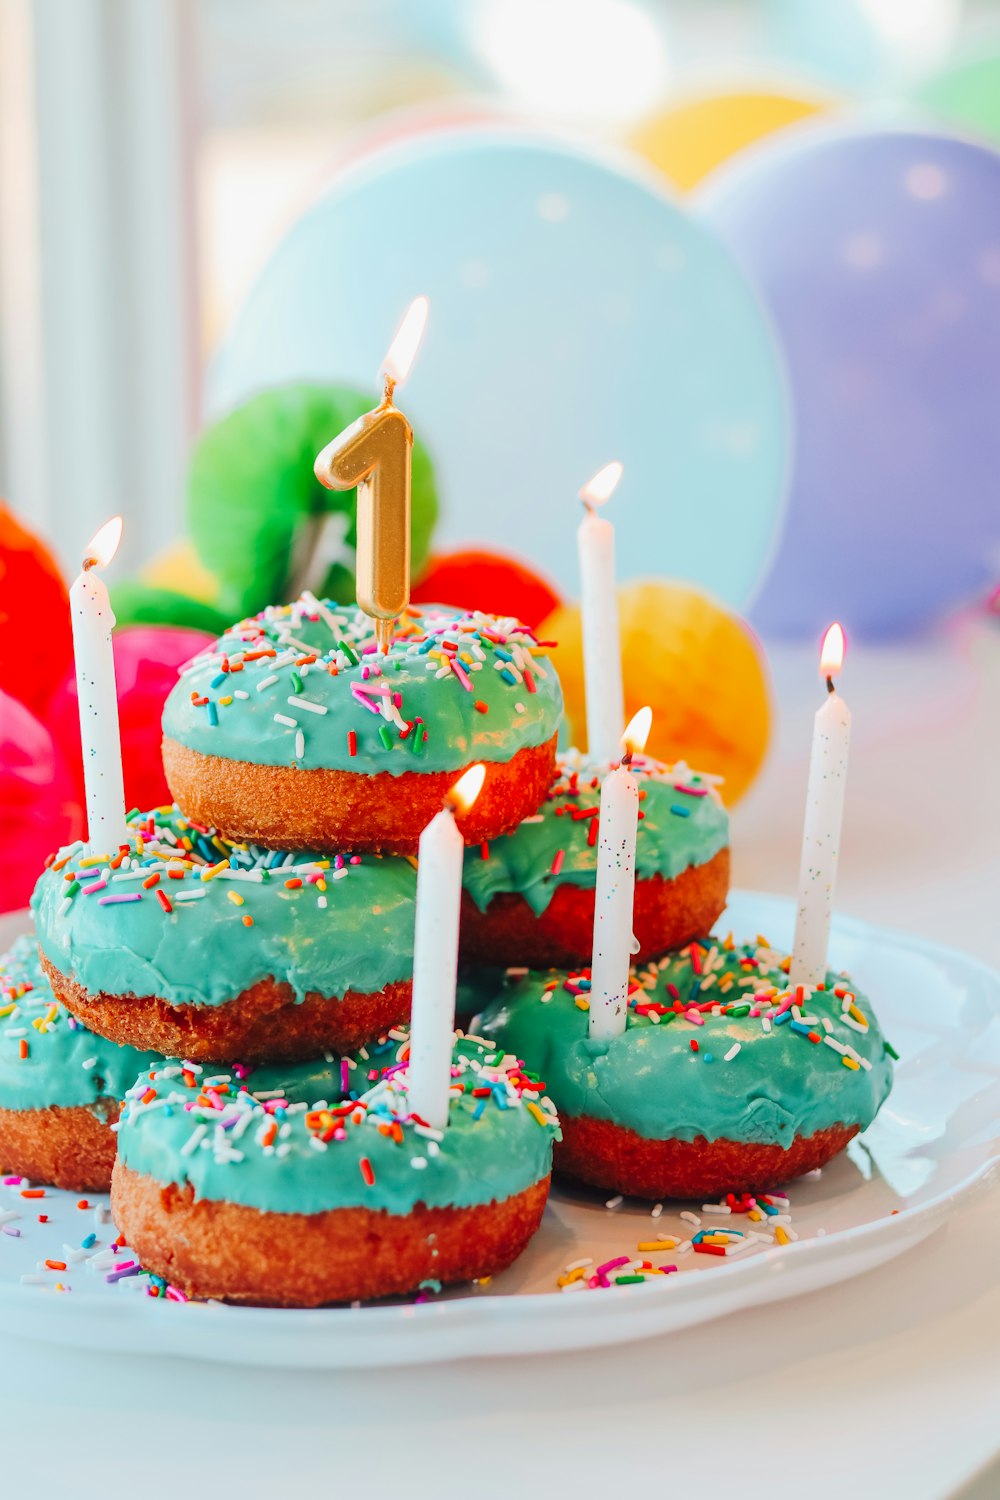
(603, 485)
(102, 547)
(637, 732)
(403, 349)
(466, 789)
(831, 656)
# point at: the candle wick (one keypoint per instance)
(388, 389)
(829, 685)
(88, 563)
(626, 759)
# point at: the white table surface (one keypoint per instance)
(886, 1385)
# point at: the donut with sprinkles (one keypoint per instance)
(60, 1085)
(296, 730)
(531, 892)
(267, 1199)
(184, 943)
(725, 1079)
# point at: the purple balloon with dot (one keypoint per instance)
(877, 253)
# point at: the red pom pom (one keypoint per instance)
(40, 807)
(488, 581)
(36, 643)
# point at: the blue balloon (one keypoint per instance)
(878, 254)
(854, 43)
(577, 315)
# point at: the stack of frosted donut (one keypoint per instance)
(216, 1018)
(242, 949)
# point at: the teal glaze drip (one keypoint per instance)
(778, 1086)
(668, 842)
(67, 1065)
(202, 953)
(490, 1150)
(301, 1083)
(456, 731)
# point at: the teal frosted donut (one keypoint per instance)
(531, 892)
(193, 946)
(280, 1200)
(295, 729)
(723, 1079)
(60, 1085)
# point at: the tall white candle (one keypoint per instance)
(824, 817)
(614, 896)
(100, 736)
(602, 655)
(435, 953)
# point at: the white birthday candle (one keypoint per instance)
(823, 821)
(614, 896)
(435, 953)
(100, 736)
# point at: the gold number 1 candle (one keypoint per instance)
(100, 736)
(375, 454)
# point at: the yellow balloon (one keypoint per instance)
(180, 569)
(691, 139)
(697, 665)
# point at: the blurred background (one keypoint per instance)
(749, 247)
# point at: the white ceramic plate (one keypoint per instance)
(936, 1139)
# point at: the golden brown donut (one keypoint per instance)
(285, 808)
(215, 1249)
(612, 1156)
(667, 914)
(726, 1076)
(71, 1148)
(261, 1024)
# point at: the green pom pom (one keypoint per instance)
(256, 509)
(137, 603)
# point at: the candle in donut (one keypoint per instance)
(375, 454)
(100, 735)
(614, 895)
(435, 952)
(823, 821)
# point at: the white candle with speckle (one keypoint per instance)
(823, 822)
(100, 736)
(614, 895)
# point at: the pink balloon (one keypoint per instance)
(40, 805)
(147, 659)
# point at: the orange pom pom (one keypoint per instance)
(697, 665)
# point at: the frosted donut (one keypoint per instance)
(297, 1204)
(724, 1080)
(188, 945)
(530, 894)
(60, 1086)
(294, 731)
